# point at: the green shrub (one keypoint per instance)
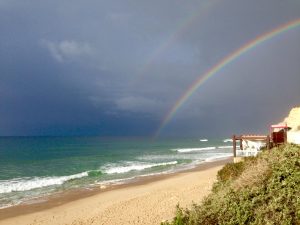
(230, 171)
(260, 190)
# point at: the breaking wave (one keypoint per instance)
(186, 150)
(26, 184)
(136, 166)
(227, 146)
(218, 157)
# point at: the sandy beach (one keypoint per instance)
(148, 201)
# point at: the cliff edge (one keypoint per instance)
(293, 121)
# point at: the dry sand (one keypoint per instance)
(143, 203)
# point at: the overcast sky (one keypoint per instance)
(115, 68)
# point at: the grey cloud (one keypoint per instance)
(96, 66)
(139, 104)
(67, 49)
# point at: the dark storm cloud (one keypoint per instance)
(117, 67)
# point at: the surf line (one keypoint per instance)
(221, 64)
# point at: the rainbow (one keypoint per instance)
(221, 64)
(181, 29)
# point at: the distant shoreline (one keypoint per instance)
(69, 197)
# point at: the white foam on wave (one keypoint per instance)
(136, 166)
(218, 157)
(227, 140)
(115, 181)
(195, 163)
(26, 184)
(203, 140)
(157, 157)
(9, 205)
(186, 150)
(227, 146)
(130, 179)
(176, 156)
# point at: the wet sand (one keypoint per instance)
(148, 200)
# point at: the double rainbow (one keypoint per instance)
(224, 62)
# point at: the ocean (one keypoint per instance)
(34, 167)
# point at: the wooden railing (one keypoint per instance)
(265, 138)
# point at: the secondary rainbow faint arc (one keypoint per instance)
(181, 28)
(225, 61)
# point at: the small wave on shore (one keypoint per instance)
(26, 184)
(218, 157)
(225, 147)
(187, 150)
(131, 166)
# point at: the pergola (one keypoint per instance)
(265, 138)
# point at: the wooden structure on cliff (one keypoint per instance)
(278, 134)
(242, 138)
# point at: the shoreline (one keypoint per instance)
(72, 196)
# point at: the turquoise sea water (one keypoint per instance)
(32, 167)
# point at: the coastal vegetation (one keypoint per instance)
(260, 190)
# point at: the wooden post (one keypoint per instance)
(234, 145)
(285, 135)
(268, 142)
(241, 144)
